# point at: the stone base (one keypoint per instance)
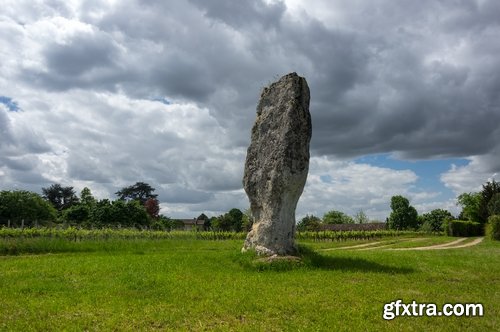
(276, 258)
(273, 249)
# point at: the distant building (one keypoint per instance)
(192, 224)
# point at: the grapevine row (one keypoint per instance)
(77, 234)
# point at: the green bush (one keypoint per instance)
(493, 227)
(463, 228)
(433, 221)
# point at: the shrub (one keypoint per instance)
(463, 228)
(337, 217)
(493, 227)
(433, 221)
(309, 223)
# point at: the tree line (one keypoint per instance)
(137, 206)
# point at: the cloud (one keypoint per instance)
(470, 177)
(350, 187)
(243, 14)
(415, 80)
(115, 141)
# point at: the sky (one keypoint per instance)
(105, 93)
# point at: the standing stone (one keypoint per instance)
(277, 164)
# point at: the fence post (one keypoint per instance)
(22, 223)
(8, 223)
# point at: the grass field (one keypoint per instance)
(189, 284)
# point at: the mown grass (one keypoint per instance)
(189, 284)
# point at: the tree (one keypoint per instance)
(337, 217)
(434, 220)
(206, 221)
(177, 224)
(152, 207)
(215, 223)
(403, 215)
(230, 221)
(247, 220)
(490, 189)
(80, 212)
(221, 223)
(136, 215)
(100, 215)
(163, 223)
(361, 217)
(309, 223)
(494, 205)
(60, 197)
(140, 191)
(471, 206)
(20, 205)
(77, 213)
(86, 197)
(119, 213)
(235, 217)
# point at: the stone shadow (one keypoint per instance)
(309, 259)
(313, 259)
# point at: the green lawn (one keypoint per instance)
(188, 284)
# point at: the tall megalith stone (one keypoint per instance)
(277, 164)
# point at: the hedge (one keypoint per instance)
(493, 227)
(463, 228)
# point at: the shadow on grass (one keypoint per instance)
(310, 259)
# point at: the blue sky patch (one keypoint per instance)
(326, 178)
(428, 171)
(11, 104)
(162, 100)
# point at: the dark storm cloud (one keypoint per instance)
(396, 98)
(82, 54)
(184, 76)
(243, 13)
(386, 78)
(86, 60)
(19, 164)
(28, 178)
(85, 168)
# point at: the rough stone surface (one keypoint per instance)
(277, 164)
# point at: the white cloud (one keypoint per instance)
(349, 187)
(450, 205)
(469, 178)
(113, 139)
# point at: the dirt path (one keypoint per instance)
(390, 244)
(355, 247)
(450, 245)
(375, 245)
(372, 245)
